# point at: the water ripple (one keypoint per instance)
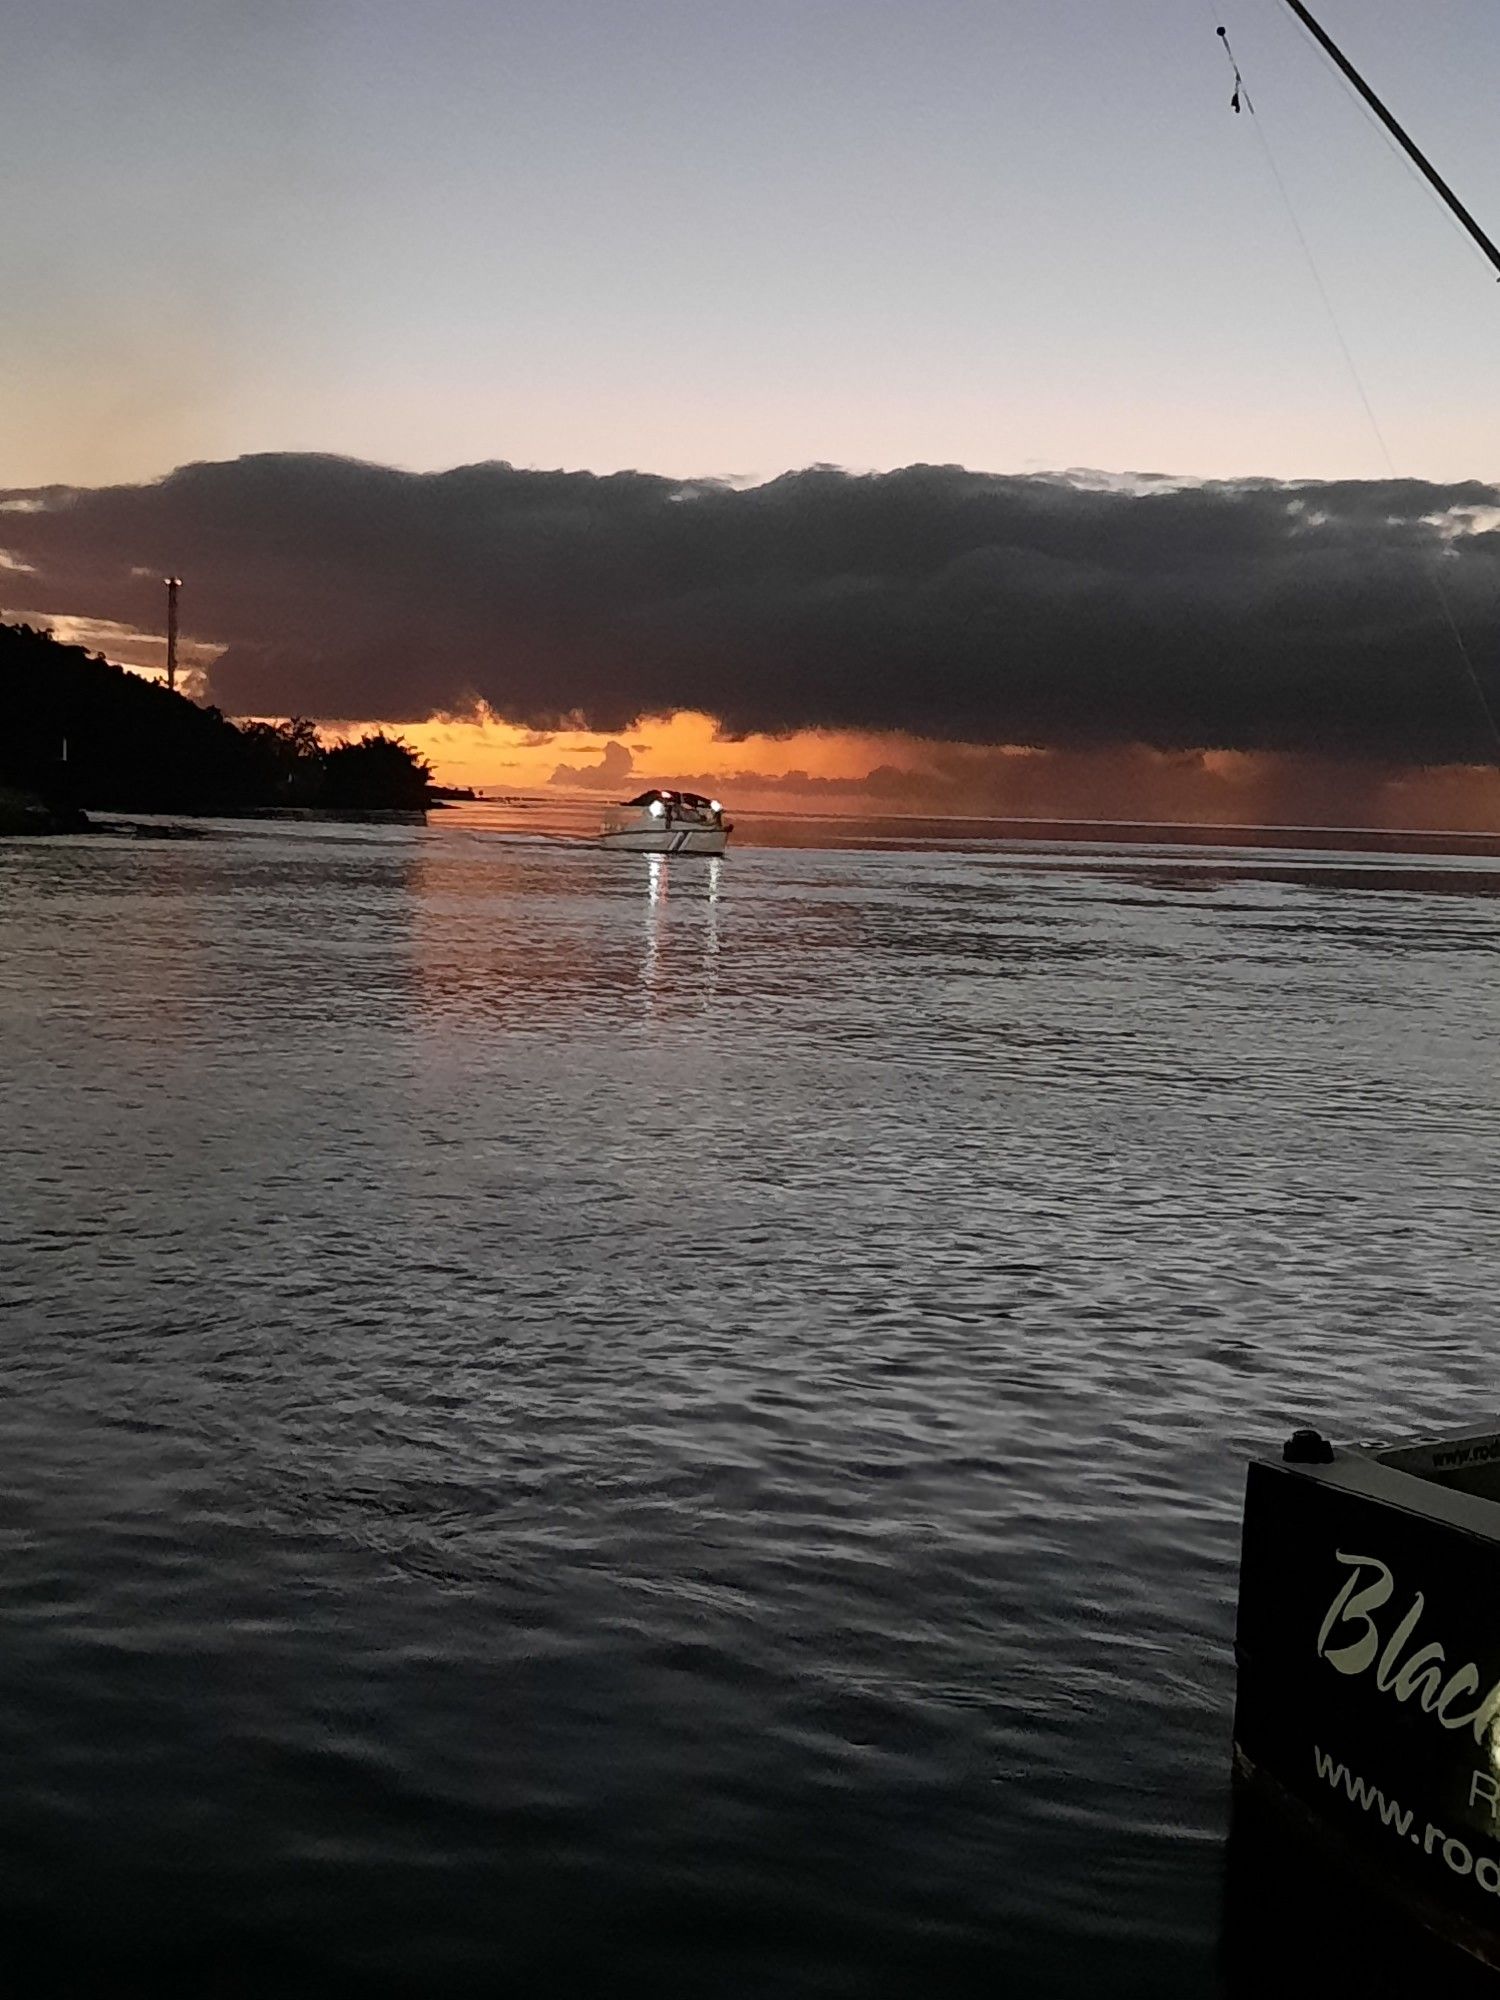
(566, 1416)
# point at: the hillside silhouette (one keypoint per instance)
(77, 732)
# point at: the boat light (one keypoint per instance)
(656, 808)
(714, 806)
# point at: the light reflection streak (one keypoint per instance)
(694, 980)
(658, 884)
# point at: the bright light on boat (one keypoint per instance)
(656, 808)
(714, 806)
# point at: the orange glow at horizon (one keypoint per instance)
(493, 755)
(872, 772)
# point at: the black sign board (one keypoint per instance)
(1369, 1666)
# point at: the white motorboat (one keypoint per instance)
(663, 822)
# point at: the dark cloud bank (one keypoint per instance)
(1056, 610)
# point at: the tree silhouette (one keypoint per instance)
(288, 759)
(377, 773)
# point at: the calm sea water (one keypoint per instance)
(572, 1420)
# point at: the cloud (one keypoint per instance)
(1061, 611)
(613, 768)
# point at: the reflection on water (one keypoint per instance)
(658, 878)
(577, 1416)
(607, 939)
(682, 927)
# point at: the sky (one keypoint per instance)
(716, 243)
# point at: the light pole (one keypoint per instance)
(174, 584)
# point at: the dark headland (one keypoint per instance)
(77, 731)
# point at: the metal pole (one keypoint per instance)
(174, 584)
(1413, 152)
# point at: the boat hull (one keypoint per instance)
(666, 839)
(1368, 1644)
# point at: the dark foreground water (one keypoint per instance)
(571, 1421)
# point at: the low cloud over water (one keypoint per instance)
(1061, 611)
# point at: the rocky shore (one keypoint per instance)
(24, 812)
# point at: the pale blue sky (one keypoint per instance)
(729, 238)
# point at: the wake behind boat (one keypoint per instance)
(663, 822)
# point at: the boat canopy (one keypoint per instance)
(672, 798)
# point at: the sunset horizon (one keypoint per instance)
(828, 315)
(504, 690)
